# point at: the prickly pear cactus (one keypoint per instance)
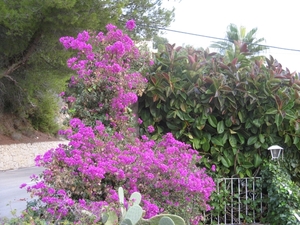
(166, 221)
(155, 220)
(104, 217)
(121, 201)
(111, 218)
(136, 198)
(134, 214)
(126, 222)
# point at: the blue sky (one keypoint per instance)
(277, 21)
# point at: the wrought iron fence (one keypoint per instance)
(237, 201)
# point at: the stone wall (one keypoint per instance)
(22, 155)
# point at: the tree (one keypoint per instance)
(239, 38)
(160, 42)
(32, 61)
(149, 16)
(25, 24)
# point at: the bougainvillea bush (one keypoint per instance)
(108, 76)
(86, 173)
(94, 164)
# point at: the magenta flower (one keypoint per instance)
(23, 185)
(151, 63)
(213, 168)
(71, 99)
(150, 129)
(110, 27)
(130, 25)
(140, 121)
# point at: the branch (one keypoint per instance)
(26, 55)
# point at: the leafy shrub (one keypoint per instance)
(230, 108)
(43, 116)
(283, 195)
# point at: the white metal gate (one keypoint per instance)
(240, 201)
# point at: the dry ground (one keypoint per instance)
(14, 130)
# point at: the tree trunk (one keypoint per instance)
(25, 56)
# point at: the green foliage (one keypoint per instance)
(28, 22)
(230, 109)
(87, 101)
(40, 92)
(43, 117)
(29, 33)
(283, 194)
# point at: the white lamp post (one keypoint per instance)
(275, 151)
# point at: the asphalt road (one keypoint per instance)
(11, 196)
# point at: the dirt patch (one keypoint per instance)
(39, 137)
(15, 130)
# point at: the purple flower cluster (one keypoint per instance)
(123, 100)
(104, 64)
(96, 162)
(130, 25)
(151, 129)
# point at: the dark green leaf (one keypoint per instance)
(183, 107)
(226, 162)
(195, 143)
(212, 121)
(232, 141)
(287, 140)
(247, 165)
(224, 138)
(248, 124)
(220, 127)
(257, 123)
(217, 141)
(257, 160)
(272, 111)
(241, 116)
(252, 140)
(228, 122)
(249, 173)
(180, 114)
(171, 114)
(296, 140)
(206, 146)
(172, 126)
(257, 145)
(261, 138)
(278, 120)
(241, 138)
(154, 111)
(288, 106)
